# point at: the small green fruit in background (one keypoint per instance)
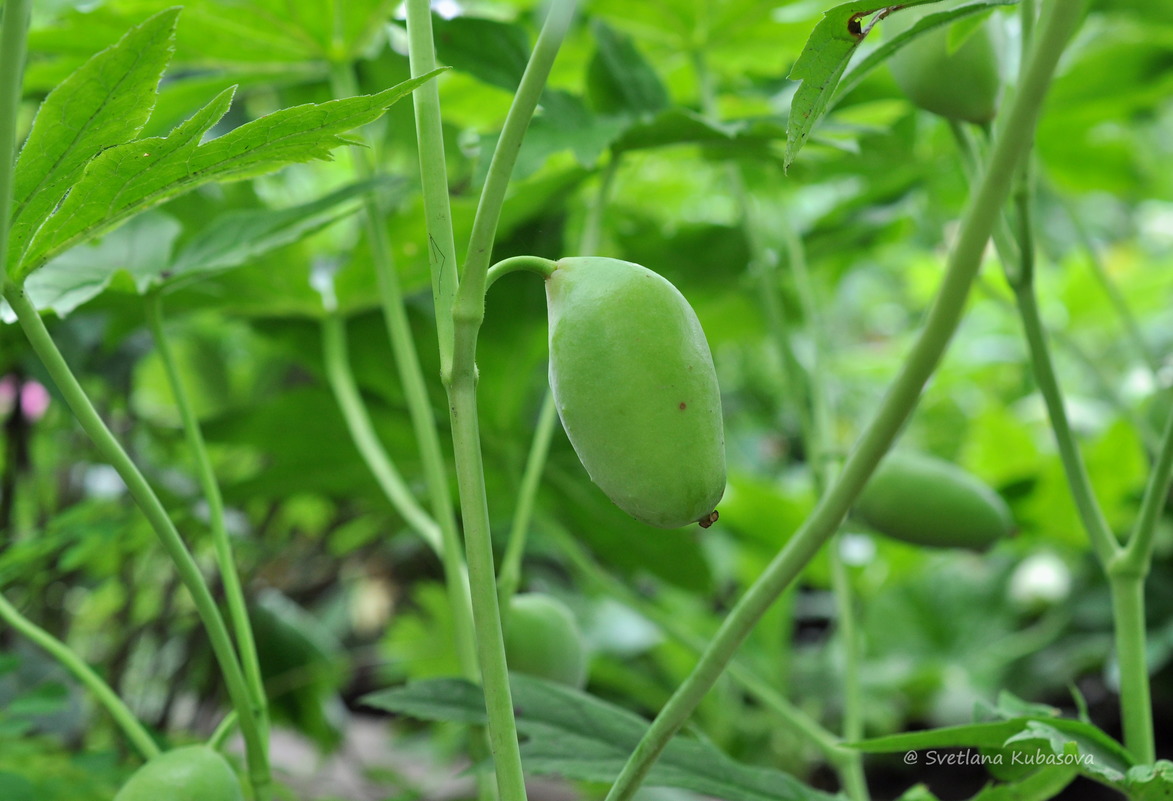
(636, 389)
(542, 639)
(960, 84)
(192, 773)
(927, 501)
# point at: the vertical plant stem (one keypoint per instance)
(1090, 515)
(468, 313)
(92, 423)
(429, 127)
(1060, 18)
(13, 39)
(102, 691)
(233, 592)
(1139, 550)
(415, 391)
(1128, 617)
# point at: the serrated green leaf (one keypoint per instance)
(105, 102)
(1151, 782)
(494, 52)
(822, 62)
(578, 736)
(125, 180)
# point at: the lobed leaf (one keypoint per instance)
(105, 102)
(125, 180)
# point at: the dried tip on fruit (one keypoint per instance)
(709, 519)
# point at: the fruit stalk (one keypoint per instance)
(1011, 144)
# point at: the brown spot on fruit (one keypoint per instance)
(709, 519)
(683, 406)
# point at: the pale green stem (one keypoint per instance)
(362, 431)
(92, 423)
(814, 416)
(13, 40)
(1010, 147)
(415, 392)
(1103, 541)
(233, 592)
(223, 731)
(1139, 550)
(788, 714)
(468, 313)
(532, 264)
(509, 577)
(84, 673)
(429, 127)
(592, 227)
(1136, 708)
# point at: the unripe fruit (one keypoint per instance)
(542, 639)
(962, 84)
(634, 383)
(192, 773)
(928, 501)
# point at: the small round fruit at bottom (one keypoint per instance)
(191, 773)
(928, 501)
(957, 82)
(635, 387)
(542, 639)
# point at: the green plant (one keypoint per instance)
(542, 639)
(949, 70)
(191, 773)
(635, 387)
(928, 501)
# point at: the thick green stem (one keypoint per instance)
(13, 39)
(1128, 617)
(509, 577)
(419, 405)
(467, 314)
(92, 423)
(82, 672)
(1090, 514)
(1010, 147)
(233, 592)
(429, 127)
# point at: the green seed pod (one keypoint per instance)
(959, 84)
(928, 501)
(635, 387)
(192, 773)
(542, 639)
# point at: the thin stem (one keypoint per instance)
(1010, 147)
(92, 423)
(419, 405)
(789, 715)
(1128, 617)
(362, 431)
(102, 691)
(233, 592)
(533, 264)
(1139, 550)
(470, 298)
(429, 128)
(1103, 541)
(592, 226)
(223, 731)
(509, 577)
(13, 40)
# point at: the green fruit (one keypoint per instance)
(542, 639)
(635, 387)
(959, 82)
(928, 501)
(192, 773)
